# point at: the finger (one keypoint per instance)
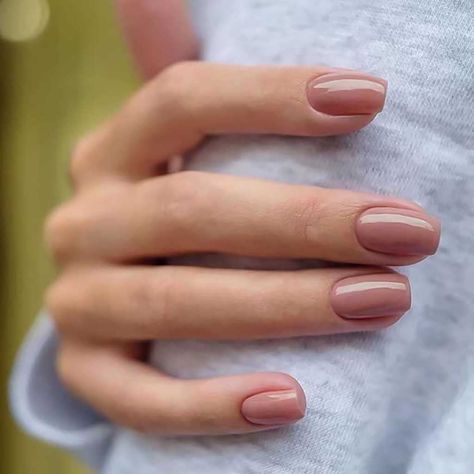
(135, 395)
(188, 101)
(194, 212)
(158, 33)
(146, 303)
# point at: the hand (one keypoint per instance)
(107, 302)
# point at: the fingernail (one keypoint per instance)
(398, 231)
(371, 296)
(275, 408)
(347, 94)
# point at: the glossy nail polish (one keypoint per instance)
(275, 408)
(398, 231)
(371, 296)
(347, 94)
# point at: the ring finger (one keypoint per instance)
(146, 303)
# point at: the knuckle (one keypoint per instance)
(82, 158)
(187, 198)
(61, 304)
(183, 198)
(72, 227)
(142, 297)
(72, 364)
(175, 85)
(325, 221)
(306, 214)
(168, 295)
(88, 153)
(72, 301)
(65, 226)
(156, 299)
(189, 190)
(58, 232)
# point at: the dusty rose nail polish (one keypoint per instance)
(371, 296)
(347, 94)
(274, 408)
(398, 231)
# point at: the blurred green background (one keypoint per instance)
(53, 89)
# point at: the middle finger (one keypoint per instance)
(193, 212)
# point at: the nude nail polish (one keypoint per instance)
(398, 231)
(347, 94)
(275, 408)
(371, 296)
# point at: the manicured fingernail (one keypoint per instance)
(371, 296)
(398, 231)
(347, 94)
(275, 408)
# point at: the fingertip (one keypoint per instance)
(328, 125)
(275, 408)
(280, 400)
(346, 94)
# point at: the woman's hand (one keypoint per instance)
(107, 302)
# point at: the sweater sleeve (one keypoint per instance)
(45, 408)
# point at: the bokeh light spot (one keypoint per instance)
(22, 20)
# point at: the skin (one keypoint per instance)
(125, 211)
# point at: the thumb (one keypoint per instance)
(158, 33)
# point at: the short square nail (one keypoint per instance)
(347, 94)
(275, 408)
(398, 231)
(371, 296)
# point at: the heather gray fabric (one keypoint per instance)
(398, 401)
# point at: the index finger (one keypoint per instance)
(191, 100)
